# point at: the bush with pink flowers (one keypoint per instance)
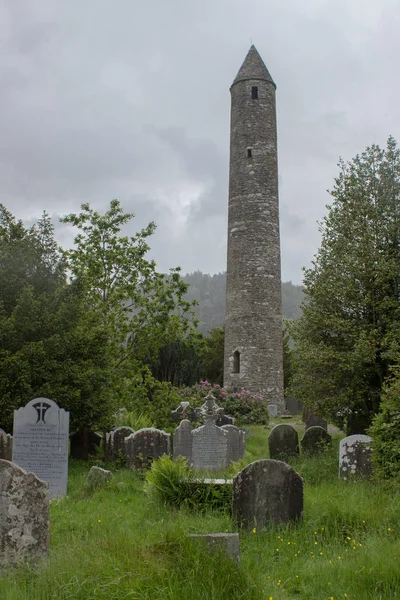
(246, 408)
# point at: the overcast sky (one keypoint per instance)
(130, 100)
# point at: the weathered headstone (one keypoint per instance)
(312, 420)
(40, 443)
(314, 440)
(24, 516)
(273, 410)
(182, 441)
(224, 419)
(6, 445)
(225, 542)
(236, 442)
(267, 492)
(97, 477)
(146, 445)
(283, 441)
(210, 447)
(184, 411)
(115, 442)
(84, 444)
(293, 406)
(355, 456)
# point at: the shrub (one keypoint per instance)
(175, 484)
(132, 419)
(246, 408)
(385, 431)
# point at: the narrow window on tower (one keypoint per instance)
(254, 92)
(236, 362)
(249, 152)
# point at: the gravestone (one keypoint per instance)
(40, 443)
(115, 442)
(97, 477)
(355, 456)
(182, 441)
(312, 420)
(315, 440)
(146, 445)
(184, 411)
(215, 542)
(210, 447)
(84, 444)
(273, 410)
(283, 441)
(6, 445)
(293, 406)
(236, 442)
(267, 492)
(24, 516)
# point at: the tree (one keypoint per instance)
(143, 310)
(348, 335)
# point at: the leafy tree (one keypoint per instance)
(213, 360)
(348, 335)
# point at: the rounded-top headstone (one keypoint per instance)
(315, 439)
(283, 441)
(267, 491)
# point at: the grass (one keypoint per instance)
(118, 544)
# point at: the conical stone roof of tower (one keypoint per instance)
(253, 67)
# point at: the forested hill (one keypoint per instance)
(209, 291)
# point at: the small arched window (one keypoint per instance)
(236, 362)
(249, 152)
(254, 92)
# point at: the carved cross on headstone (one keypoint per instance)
(210, 411)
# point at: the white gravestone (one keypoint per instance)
(40, 443)
(355, 456)
(182, 441)
(210, 447)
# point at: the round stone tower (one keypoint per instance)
(253, 326)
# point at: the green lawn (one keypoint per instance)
(119, 544)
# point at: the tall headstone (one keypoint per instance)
(182, 441)
(210, 447)
(115, 442)
(293, 406)
(6, 445)
(236, 442)
(24, 516)
(315, 440)
(273, 410)
(355, 452)
(267, 492)
(40, 442)
(283, 441)
(146, 445)
(253, 356)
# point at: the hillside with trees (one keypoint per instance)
(209, 292)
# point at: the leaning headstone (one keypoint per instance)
(6, 445)
(40, 443)
(283, 441)
(267, 492)
(225, 542)
(146, 445)
(236, 442)
(355, 456)
(184, 411)
(115, 442)
(273, 410)
(24, 516)
(182, 441)
(97, 477)
(315, 440)
(84, 444)
(293, 406)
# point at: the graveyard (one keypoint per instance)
(118, 539)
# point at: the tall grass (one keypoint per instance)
(117, 543)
